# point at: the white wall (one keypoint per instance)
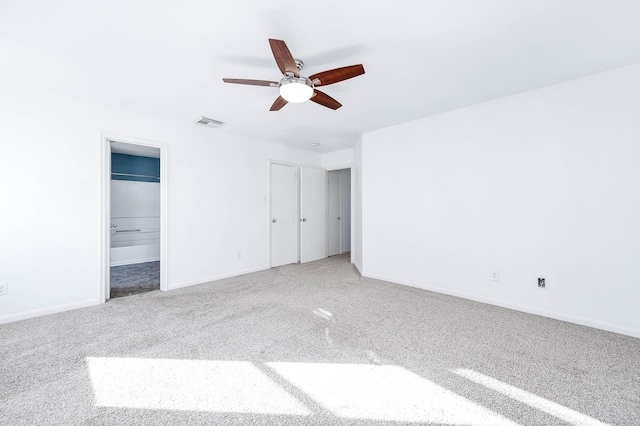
(338, 159)
(50, 169)
(541, 184)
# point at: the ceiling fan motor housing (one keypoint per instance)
(296, 89)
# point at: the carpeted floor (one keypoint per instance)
(127, 280)
(312, 344)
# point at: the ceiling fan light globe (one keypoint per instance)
(296, 90)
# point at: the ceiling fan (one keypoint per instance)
(296, 88)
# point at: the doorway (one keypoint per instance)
(339, 212)
(134, 217)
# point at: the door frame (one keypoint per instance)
(105, 237)
(296, 168)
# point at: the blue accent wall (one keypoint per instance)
(147, 169)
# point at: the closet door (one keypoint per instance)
(313, 221)
(284, 226)
(333, 219)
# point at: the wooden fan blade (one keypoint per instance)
(283, 57)
(336, 75)
(278, 104)
(325, 100)
(250, 82)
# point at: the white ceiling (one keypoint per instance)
(421, 57)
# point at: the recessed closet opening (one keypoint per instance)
(339, 212)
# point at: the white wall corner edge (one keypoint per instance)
(216, 278)
(359, 268)
(522, 308)
(48, 311)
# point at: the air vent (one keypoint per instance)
(209, 122)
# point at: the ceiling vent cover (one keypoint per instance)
(209, 122)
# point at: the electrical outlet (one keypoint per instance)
(495, 276)
(541, 283)
(4, 289)
(239, 255)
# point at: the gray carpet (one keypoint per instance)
(127, 280)
(312, 344)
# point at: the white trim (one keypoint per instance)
(105, 218)
(217, 278)
(48, 311)
(515, 306)
(106, 139)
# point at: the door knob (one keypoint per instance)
(273, 220)
(304, 219)
(114, 225)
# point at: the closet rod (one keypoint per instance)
(130, 174)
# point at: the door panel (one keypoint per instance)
(345, 210)
(313, 236)
(333, 219)
(283, 215)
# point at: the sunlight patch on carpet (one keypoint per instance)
(384, 392)
(566, 414)
(194, 385)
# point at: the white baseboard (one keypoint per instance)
(133, 262)
(216, 278)
(47, 311)
(515, 306)
(359, 268)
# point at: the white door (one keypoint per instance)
(333, 220)
(284, 227)
(313, 235)
(345, 210)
